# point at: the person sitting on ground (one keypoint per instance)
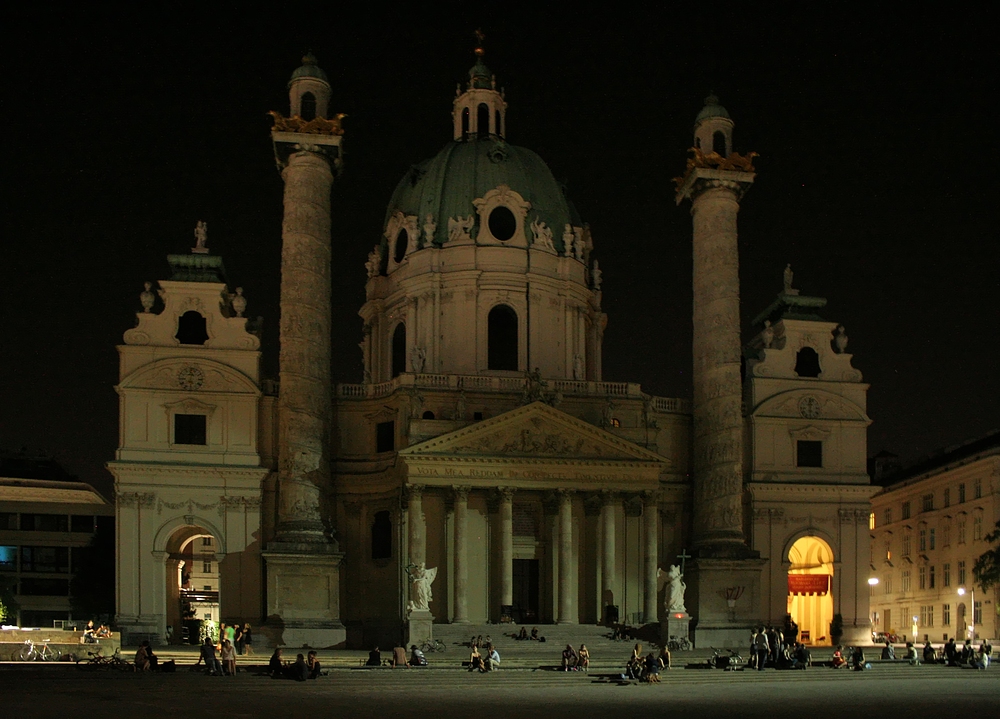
(652, 667)
(980, 660)
(911, 654)
(930, 656)
(417, 658)
(534, 633)
(228, 658)
(967, 652)
(888, 652)
(523, 634)
(103, 632)
(858, 662)
(399, 657)
(801, 656)
(473, 642)
(142, 659)
(583, 658)
(374, 658)
(274, 666)
(838, 658)
(492, 660)
(951, 652)
(314, 666)
(569, 658)
(634, 666)
(212, 665)
(665, 659)
(300, 670)
(154, 660)
(475, 660)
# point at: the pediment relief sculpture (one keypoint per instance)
(809, 404)
(190, 376)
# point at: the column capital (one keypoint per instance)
(506, 493)
(461, 491)
(609, 496)
(410, 492)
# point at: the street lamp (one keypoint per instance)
(914, 627)
(872, 581)
(971, 627)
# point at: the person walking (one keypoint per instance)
(760, 648)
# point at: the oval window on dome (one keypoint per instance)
(402, 239)
(502, 223)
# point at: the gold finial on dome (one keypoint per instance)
(480, 41)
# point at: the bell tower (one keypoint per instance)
(303, 560)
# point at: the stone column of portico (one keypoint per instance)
(506, 545)
(461, 608)
(415, 523)
(651, 520)
(566, 589)
(304, 407)
(608, 548)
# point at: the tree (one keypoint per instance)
(987, 567)
(92, 589)
(8, 603)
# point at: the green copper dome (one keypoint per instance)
(712, 109)
(446, 185)
(309, 68)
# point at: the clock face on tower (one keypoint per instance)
(809, 407)
(190, 378)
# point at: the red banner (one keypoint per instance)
(808, 583)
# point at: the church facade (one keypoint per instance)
(484, 471)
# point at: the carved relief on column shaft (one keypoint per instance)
(304, 361)
(461, 584)
(505, 496)
(567, 589)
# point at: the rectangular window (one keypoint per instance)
(946, 535)
(922, 577)
(44, 523)
(961, 572)
(45, 559)
(977, 613)
(961, 493)
(888, 550)
(977, 528)
(927, 503)
(887, 515)
(927, 615)
(923, 539)
(809, 453)
(206, 567)
(81, 523)
(8, 520)
(945, 615)
(190, 429)
(35, 587)
(206, 541)
(8, 559)
(931, 539)
(905, 580)
(871, 521)
(977, 489)
(906, 544)
(906, 510)
(946, 575)
(947, 496)
(961, 531)
(385, 436)
(930, 578)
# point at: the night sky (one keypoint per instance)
(877, 181)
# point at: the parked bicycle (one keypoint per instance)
(432, 645)
(679, 644)
(728, 662)
(97, 660)
(39, 652)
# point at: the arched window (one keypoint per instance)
(719, 143)
(483, 120)
(465, 123)
(496, 124)
(399, 350)
(402, 240)
(191, 329)
(428, 415)
(382, 536)
(502, 338)
(807, 363)
(307, 106)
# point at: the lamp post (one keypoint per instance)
(971, 626)
(872, 582)
(914, 627)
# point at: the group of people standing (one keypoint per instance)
(770, 647)
(241, 637)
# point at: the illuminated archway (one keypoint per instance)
(193, 573)
(810, 586)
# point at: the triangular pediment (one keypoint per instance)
(538, 431)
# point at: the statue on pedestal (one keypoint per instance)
(421, 579)
(675, 590)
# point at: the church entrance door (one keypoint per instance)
(525, 591)
(810, 587)
(193, 585)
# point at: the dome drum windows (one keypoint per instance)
(502, 213)
(402, 235)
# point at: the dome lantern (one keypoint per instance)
(309, 90)
(480, 111)
(713, 128)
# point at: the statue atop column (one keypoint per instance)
(200, 238)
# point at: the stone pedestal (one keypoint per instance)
(674, 624)
(724, 596)
(303, 595)
(421, 627)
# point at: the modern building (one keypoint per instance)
(44, 523)
(928, 528)
(485, 470)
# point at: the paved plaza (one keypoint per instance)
(55, 691)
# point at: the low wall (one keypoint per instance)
(12, 642)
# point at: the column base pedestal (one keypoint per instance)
(724, 599)
(421, 627)
(303, 596)
(676, 625)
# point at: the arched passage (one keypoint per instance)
(810, 584)
(193, 586)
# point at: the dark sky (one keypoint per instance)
(877, 180)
